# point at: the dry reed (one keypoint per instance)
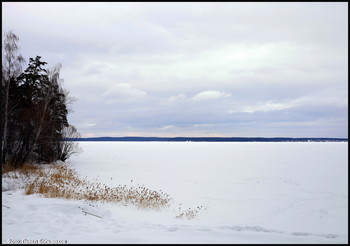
(60, 181)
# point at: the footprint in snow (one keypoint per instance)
(172, 229)
(203, 229)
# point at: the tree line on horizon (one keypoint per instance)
(34, 109)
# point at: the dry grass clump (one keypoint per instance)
(63, 182)
(189, 213)
(25, 171)
(60, 181)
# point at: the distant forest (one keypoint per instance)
(212, 139)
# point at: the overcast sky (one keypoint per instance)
(194, 69)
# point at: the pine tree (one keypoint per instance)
(34, 123)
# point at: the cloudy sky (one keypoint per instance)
(194, 69)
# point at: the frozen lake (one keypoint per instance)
(290, 192)
(286, 186)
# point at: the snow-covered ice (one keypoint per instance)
(288, 192)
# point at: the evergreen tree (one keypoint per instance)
(37, 125)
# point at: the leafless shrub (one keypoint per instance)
(189, 213)
(69, 144)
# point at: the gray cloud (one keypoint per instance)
(195, 69)
(123, 92)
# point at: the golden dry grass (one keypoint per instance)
(62, 182)
(26, 171)
(189, 213)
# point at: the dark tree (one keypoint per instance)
(36, 125)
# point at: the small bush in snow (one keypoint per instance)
(189, 213)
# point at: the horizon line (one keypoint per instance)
(202, 137)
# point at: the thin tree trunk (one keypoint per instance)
(14, 66)
(4, 135)
(4, 140)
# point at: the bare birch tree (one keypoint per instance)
(11, 67)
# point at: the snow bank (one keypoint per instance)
(252, 192)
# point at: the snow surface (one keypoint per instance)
(288, 192)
